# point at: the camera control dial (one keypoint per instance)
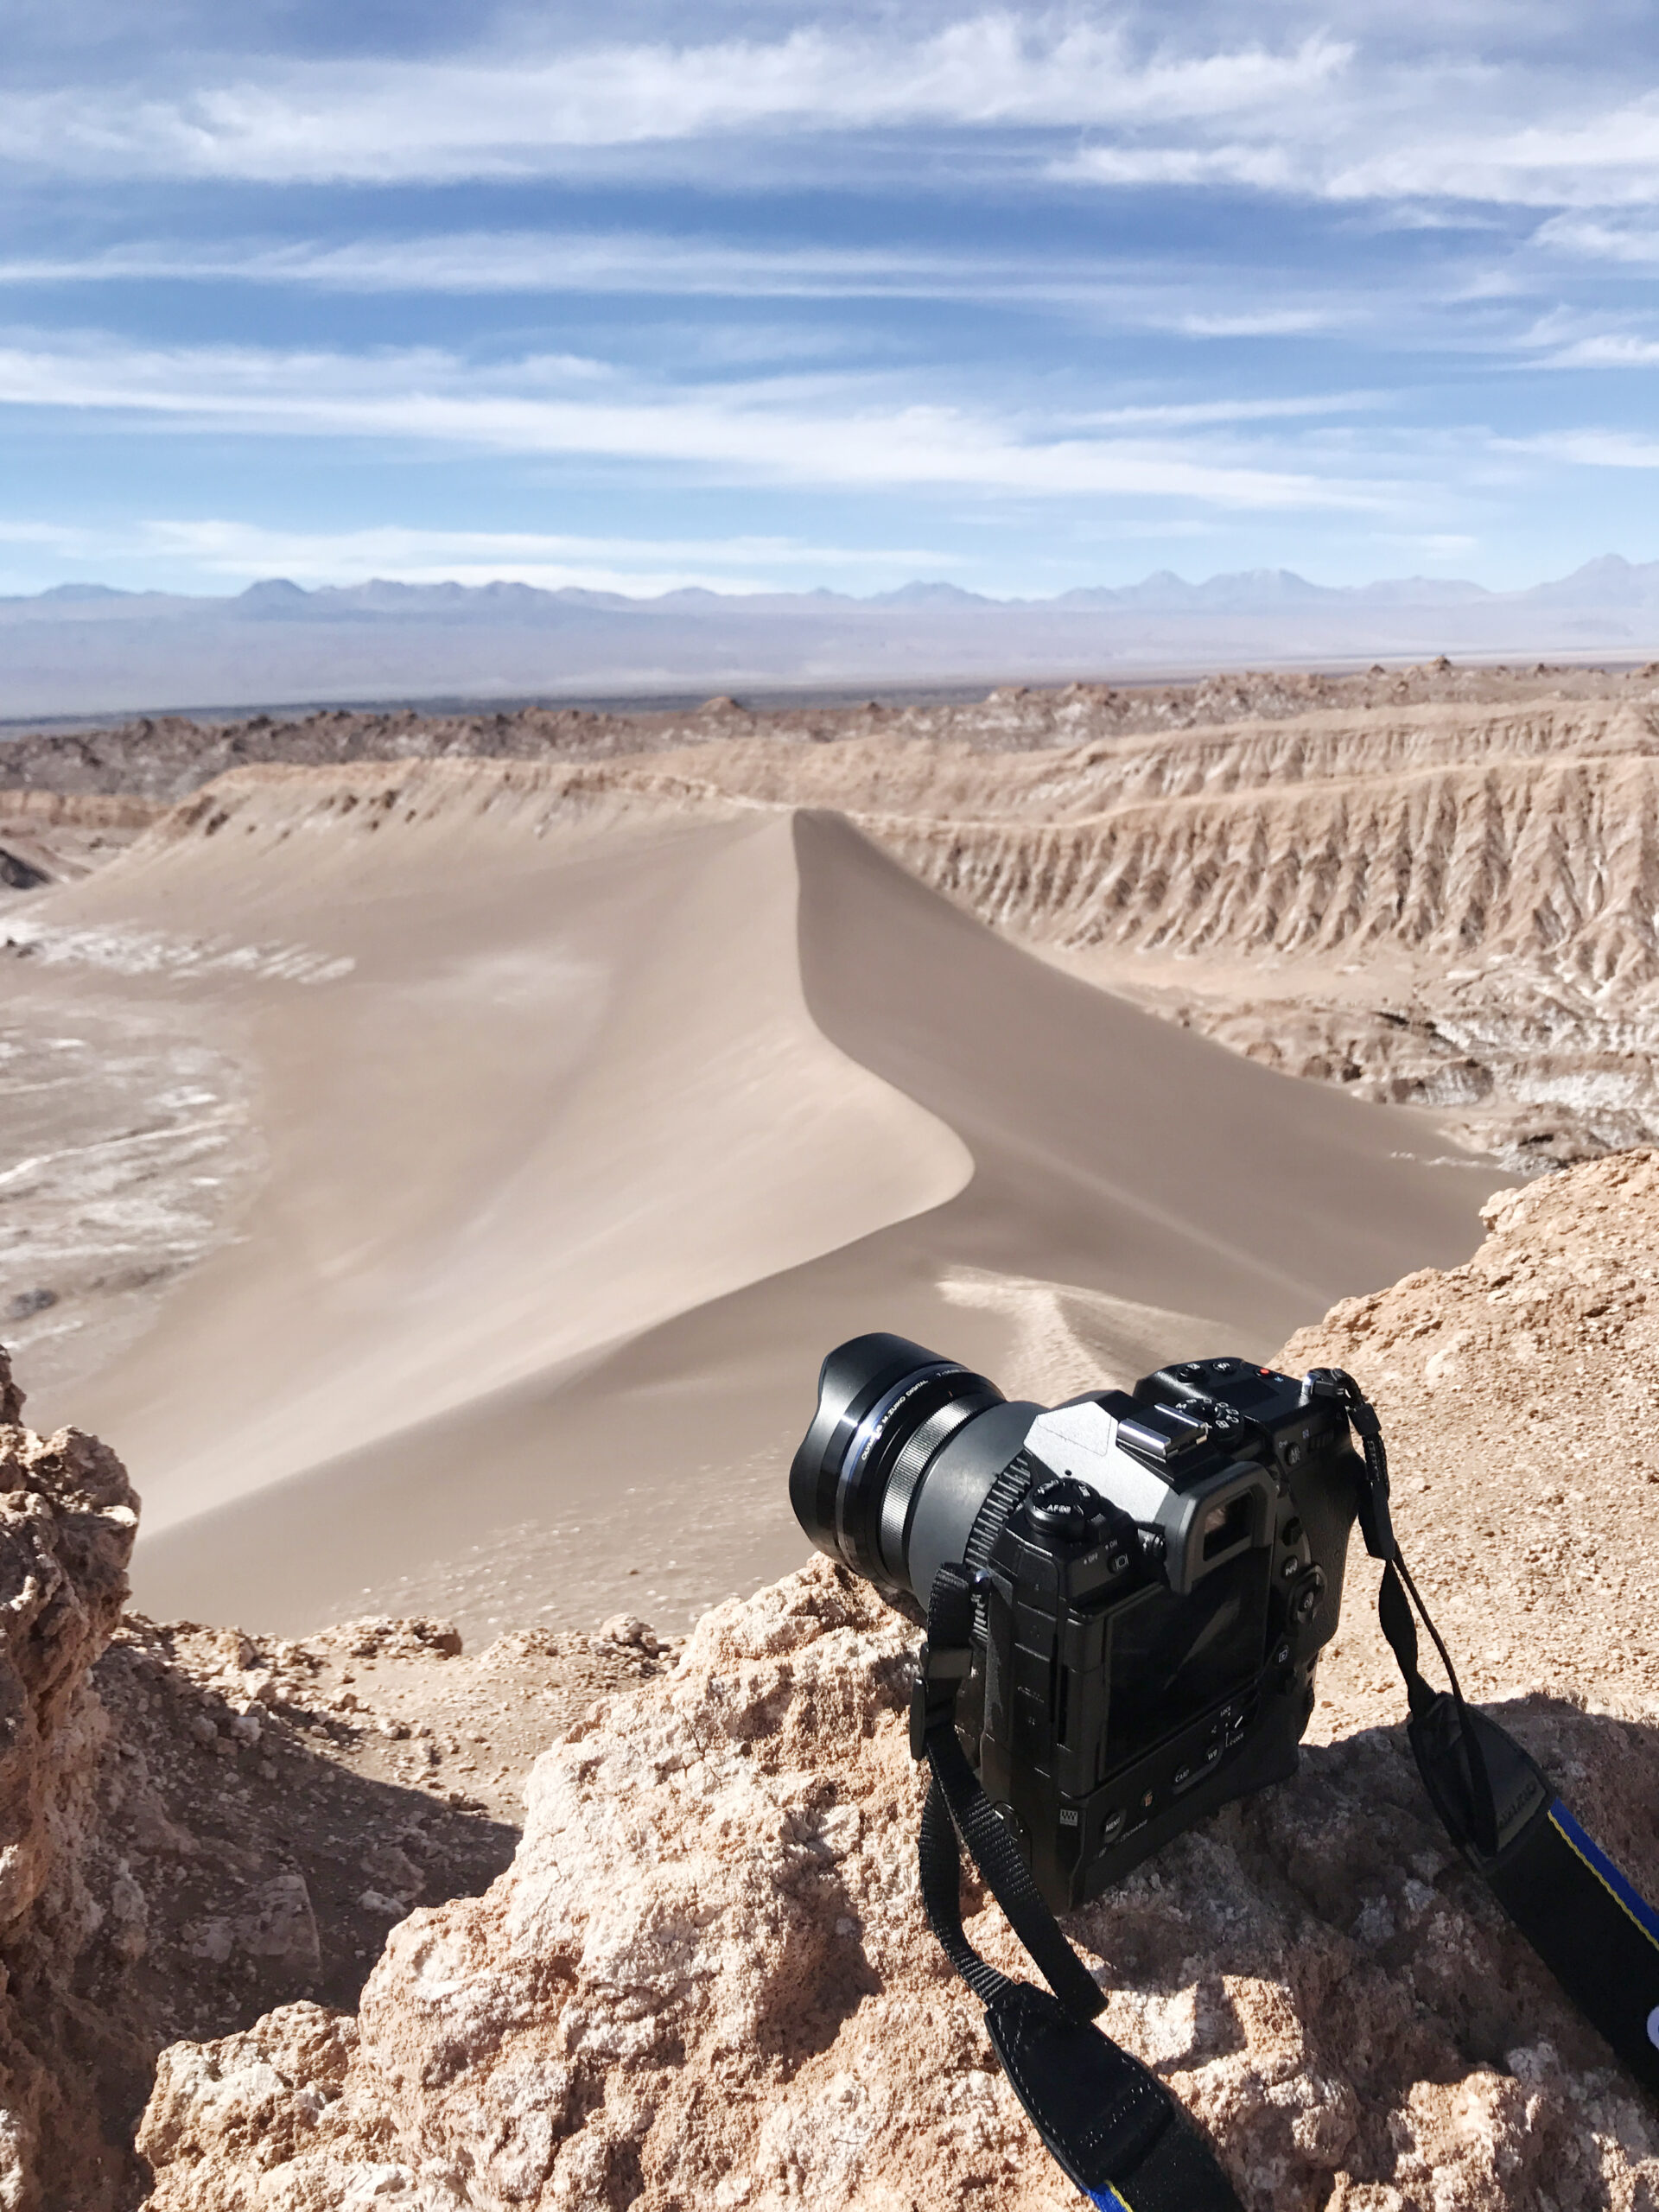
(1067, 1511)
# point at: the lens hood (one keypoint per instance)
(885, 1407)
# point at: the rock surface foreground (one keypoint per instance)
(706, 1981)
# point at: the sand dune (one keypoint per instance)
(586, 1113)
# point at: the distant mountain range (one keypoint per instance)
(86, 648)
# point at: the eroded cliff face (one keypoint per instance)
(1434, 885)
(706, 1979)
(68, 1518)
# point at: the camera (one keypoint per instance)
(1155, 1570)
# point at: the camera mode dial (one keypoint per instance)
(1066, 1510)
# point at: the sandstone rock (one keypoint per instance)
(68, 1517)
(1516, 1394)
(185, 1825)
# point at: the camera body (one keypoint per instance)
(1160, 1594)
(1159, 1570)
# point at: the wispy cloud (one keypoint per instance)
(1608, 350)
(517, 116)
(1588, 449)
(1172, 110)
(1585, 237)
(1605, 159)
(1270, 167)
(1128, 291)
(818, 431)
(563, 261)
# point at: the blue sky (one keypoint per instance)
(762, 297)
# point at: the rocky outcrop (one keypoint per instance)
(196, 1826)
(1516, 1393)
(707, 1980)
(68, 1517)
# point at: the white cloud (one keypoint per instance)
(1602, 159)
(1589, 449)
(1267, 167)
(483, 262)
(522, 115)
(1610, 350)
(58, 536)
(1587, 239)
(1178, 413)
(530, 261)
(1266, 322)
(1122, 293)
(1283, 120)
(1319, 117)
(820, 431)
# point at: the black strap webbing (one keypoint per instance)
(1587, 1922)
(1108, 2121)
(1595, 1933)
(1592, 1928)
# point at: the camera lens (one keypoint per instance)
(887, 1409)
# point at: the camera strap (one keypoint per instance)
(1589, 1925)
(1107, 2120)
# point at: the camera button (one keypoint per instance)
(1305, 1601)
(1112, 1826)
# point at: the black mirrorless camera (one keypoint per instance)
(1157, 1571)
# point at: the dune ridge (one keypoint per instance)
(1417, 883)
(471, 998)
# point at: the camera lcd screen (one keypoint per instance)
(1170, 1657)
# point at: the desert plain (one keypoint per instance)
(437, 1152)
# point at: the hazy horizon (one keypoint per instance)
(88, 649)
(1604, 572)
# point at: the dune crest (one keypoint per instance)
(583, 1106)
(503, 1136)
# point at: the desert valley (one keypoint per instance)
(436, 1151)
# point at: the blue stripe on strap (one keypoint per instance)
(1108, 2200)
(1605, 1872)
